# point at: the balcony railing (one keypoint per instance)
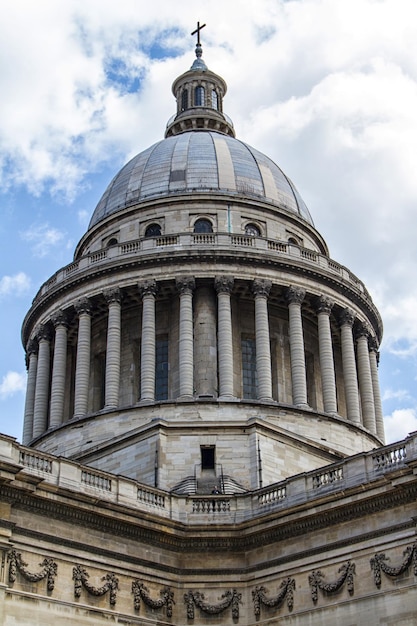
(141, 248)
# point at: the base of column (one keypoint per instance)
(304, 407)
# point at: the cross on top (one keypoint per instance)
(197, 30)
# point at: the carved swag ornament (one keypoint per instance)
(347, 571)
(286, 590)
(378, 564)
(17, 564)
(229, 598)
(80, 578)
(141, 592)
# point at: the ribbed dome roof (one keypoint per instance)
(199, 162)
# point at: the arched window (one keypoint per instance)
(203, 226)
(252, 230)
(199, 96)
(112, 242)
(153, 230)
(214, 100)
(292, 240)
(184, 100)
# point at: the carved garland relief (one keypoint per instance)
(229, 599)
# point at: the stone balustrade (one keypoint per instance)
(19, 461)
(146, 246)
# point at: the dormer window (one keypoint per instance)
(184, 100)
(203, 226)
(153, 230)
(252, 230)
(214, 100)
(199, 96)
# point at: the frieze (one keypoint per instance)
(347, 572)
(228, 599)
(17, 564)
(286, 591)
(379, 564)
(140, 592)
(80, 577)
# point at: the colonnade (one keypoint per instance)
(46, 382)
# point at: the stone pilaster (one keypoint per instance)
(295, 298)
(328, 379)
(224, 287)
(186, 286)
(365, 380)
(148, 291)
(59, 365)
(349, 366)
(261, 289)
(379, 415)
(112, 384)
(40, 411)
(205, 342)
(82, 369)
(32, 364)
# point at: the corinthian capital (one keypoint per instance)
(185, 284)
(347, 317)
(83, 305)
(324, 304)
(60, 318)
(295, 295)
(224, 284)
(113, 295)
(261, 287)
(148, 288)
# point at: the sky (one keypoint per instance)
(326, 88)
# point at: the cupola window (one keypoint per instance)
(112, 242)
(214, 100)
(199, 96)
(249, 376)
(153, 230)
(252, 230)
(184, 100)
(203, 226)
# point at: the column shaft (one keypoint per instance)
(59, 371)
(365, 384)
(328, 379)
(186, 360)
(263, 346)
(349, 367)
(30, 394)
(112, 385)
(148, 343)
(224, 286)
(295, 297)
(379, 416)
(205, 342)
(82, 369)
(40, 411)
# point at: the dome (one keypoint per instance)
(200, 161)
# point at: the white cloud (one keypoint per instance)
(396, 394)
(43, 238)
(18, 284)
(400, 423)
(12, 383)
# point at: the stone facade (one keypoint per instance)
(203, 422)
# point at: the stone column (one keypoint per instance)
(186, 286)
(295, 297)
(40, 410)
(148, 290)
(379, 415)
(224, 286)
(59, 366)
(328, 379)
(112, 380)
(365, 380)
(82, 368)
(261, 289)
(32, 364)
(349, 366)
(205, 342)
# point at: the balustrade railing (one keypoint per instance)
(148, 246)
(96, 480)
(390, 457)
(36, 461)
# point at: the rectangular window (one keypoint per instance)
(207, 457)
(249, 382)
(161, 378)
